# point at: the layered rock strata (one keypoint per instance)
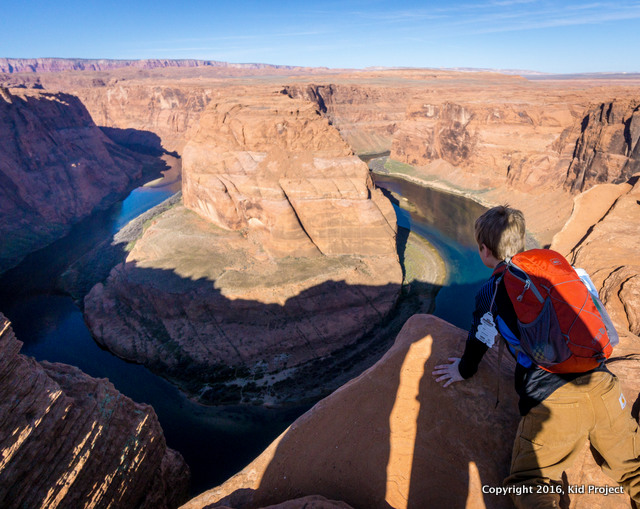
(485, 145)
(529, 146)
(69, 440)
(290, 258)
(608, 148)
(274, 167)
(393, 437)
(56, 167)
(367, 116)
(166, 110)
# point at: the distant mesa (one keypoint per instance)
(26, 65)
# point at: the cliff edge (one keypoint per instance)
(69, 440)
(395, 438)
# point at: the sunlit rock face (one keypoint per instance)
(393, 437)
(69, 440)
(489, 144)
(283, 255)
(530, 146)
(273, 166)
(603, 237)
(166, 110)
(56, 168)
(367, 115)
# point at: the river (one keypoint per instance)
(216, 442)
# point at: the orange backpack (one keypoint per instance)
(563, 325)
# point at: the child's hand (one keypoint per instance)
(448, 373)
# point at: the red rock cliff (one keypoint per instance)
(56, 167)
(69, 440)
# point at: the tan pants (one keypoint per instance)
(552, 434)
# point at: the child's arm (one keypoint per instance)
(465, 367)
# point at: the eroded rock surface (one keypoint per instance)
(394, 437)
(273, 166)
(608, 251)
(530, 141)
(608, 149)
(69, 440)
(290, 258)
(366, 115)
(56, 168)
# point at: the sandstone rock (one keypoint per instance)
(57, 167)
(608, 252)
(310, 502)
(296, 259)
(168, 111)
(394, 438)
(69, 440)
(272, 165)
(530, 136)
(490, 144)
(607, 149)
(589, 208)
(366, 116)
(209, 309)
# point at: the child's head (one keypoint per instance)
(502, 230)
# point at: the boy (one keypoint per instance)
(559, 411)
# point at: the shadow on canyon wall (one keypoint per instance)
(203, 340)
(136, 140)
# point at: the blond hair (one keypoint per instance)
(502, 230)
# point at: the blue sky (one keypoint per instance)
(549, 36)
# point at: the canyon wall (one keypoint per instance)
(530, 146)
(367, 116)
(289, 258)
(608, 148)
(168, 111)
(69, 440)
(56, 167)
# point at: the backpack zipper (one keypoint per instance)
(528, 284)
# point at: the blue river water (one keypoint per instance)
(445, 220)
(215, 441)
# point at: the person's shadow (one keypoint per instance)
(393, 437)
